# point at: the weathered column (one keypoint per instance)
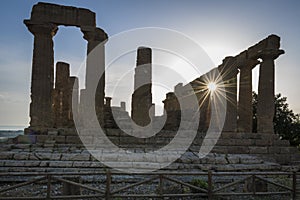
(95, 66)
(203, 97)
(229, 72)
(142, 95)
(245, 113)
(62, 103)
(73, 99)
(123, 105)
(42, 77)
(265, 99)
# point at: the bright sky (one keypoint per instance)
(221, 28)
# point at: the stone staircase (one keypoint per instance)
(64, 151)
(75, 158)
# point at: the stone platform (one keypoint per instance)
(63, 151)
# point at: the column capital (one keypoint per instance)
(41, 29)
(94, 34)
(270, 53)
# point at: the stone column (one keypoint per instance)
(123, 105)
(142, 95)
(245, 111)
(95, 66)
(265, 99)
(42, 77)
(62, 95)
(73, 99)
(229, 72)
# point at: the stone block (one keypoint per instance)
(32, 164)
(48, 156)
(60, 163)
(284, 150)
(21, 156)
(258, 150)
(81, 164)
(244, 142)
(238, 150)
(250, 160)
(113, 132)
(252, 136)
(73, 140)
(97, 164)
(42, 138)
(2, 163)
(76, 157)
(67, 132)
(281, 143)
(220, 149)
(233, 159)
(264, 142)
(13, 163)
(283, 158)
(221, 160)
(273, 150)
(44, 163)
(60, 139)
(26, 139)
(6, 155)
(226, 142)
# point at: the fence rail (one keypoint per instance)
(157, 178)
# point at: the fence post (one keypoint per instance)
(294, 185)
(253, 185)
(160, 186)
(209, 182)
(48, 197)
(108, 183)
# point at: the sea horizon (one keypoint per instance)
(12, 127)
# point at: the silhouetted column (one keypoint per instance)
(142, 96)
(266, 99)
(229, 73)
(62, 95)
(245, 111)
(73, 99)
(95, 66)
(42, 77)
(123, 105)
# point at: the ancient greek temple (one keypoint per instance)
(51, 104)
(51, 113)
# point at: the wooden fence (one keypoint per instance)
(108, 191)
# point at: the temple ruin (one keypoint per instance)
(52, 117)
(43, 24)
(239, 114)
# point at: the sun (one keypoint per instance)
(212, 86)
